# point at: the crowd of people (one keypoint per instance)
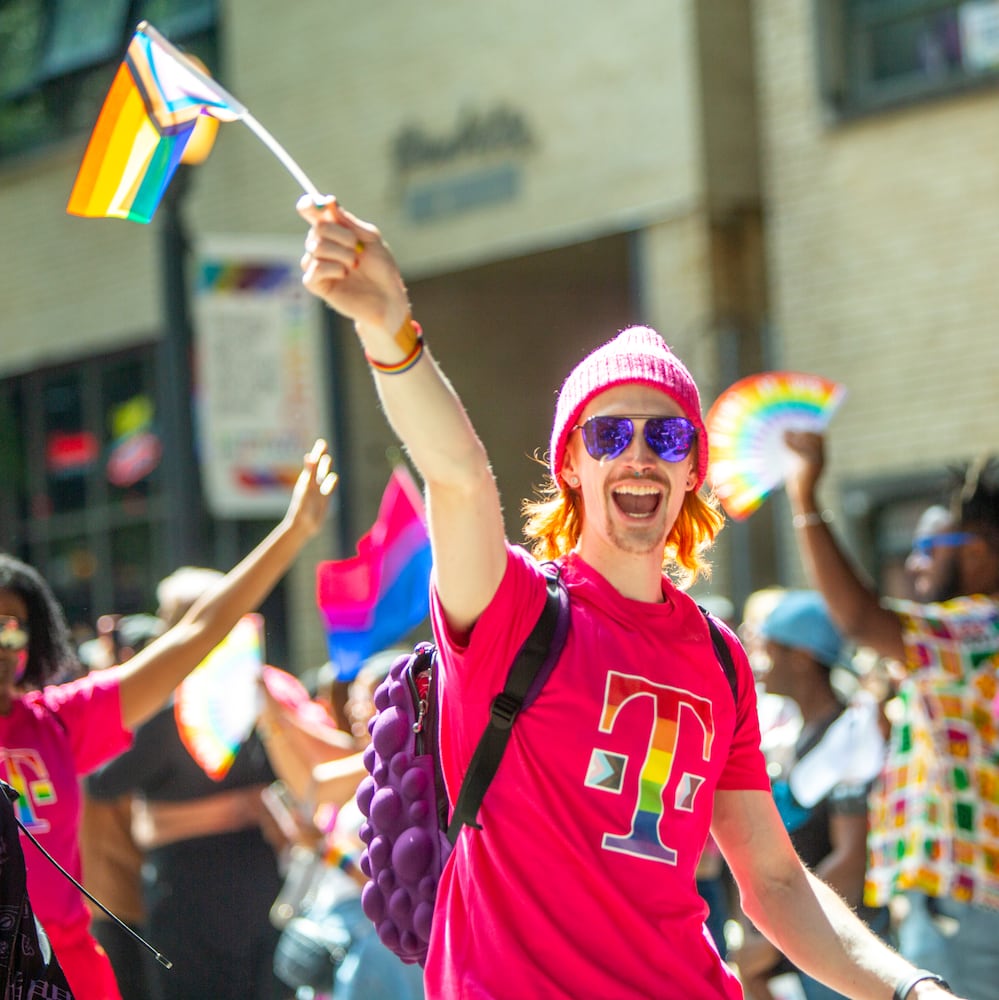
(650, 832)
(53, 731)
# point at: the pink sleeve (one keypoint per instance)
(477, 663)
(474, 667)
(89, 710)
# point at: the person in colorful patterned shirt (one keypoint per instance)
(935, 811)
(821, 770)
(581, 881)
(52, 734)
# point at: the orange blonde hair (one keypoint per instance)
(555, 520)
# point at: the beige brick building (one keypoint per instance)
(882, 210)
(546, 174)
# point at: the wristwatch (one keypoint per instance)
(904, 988)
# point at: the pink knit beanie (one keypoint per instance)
(637, 354)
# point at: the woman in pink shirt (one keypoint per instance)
(53, 733)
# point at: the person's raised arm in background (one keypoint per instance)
(149, 677)
(853, 602)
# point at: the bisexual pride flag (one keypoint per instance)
(371, 600)
(217, 705)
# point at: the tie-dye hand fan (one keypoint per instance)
(217, 706)
(746, 428)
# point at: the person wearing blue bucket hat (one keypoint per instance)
(821, 773)
(801, 621)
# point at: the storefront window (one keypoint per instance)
(13, 483)
(131, 444)
(82, 34)
(81, 496)
(71, 448)
(133, 565)
(73, 566)
(57, 59)
(875, 54)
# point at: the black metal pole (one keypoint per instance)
(339, 411)
(174, 382)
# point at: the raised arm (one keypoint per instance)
(853, 602)
(149, 677)
(348, 265)
(295, 747)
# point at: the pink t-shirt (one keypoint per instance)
(581, 882)
(48, 741)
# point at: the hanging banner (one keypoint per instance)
(259, 374)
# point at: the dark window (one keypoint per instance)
(58, 57)
(876, 54)
(81, 494)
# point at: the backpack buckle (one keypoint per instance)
(504, 710)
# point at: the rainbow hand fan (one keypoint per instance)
(746, 426)
(217, 706)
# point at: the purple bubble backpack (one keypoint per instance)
(408, 834)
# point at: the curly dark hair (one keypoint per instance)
(976, 501)
(51, 656)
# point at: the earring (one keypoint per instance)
(573, 481)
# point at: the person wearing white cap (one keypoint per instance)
(580, 881)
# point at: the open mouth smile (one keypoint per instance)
(637, 499)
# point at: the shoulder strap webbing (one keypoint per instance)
(724, 655)
(530, 669)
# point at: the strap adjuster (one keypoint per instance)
(504, 710)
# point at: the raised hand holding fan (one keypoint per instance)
(746, 426)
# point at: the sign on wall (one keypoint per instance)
(259, 375)
(979, 21)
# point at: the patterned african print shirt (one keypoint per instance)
(935, 809)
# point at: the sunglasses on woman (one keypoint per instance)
(13, 635)
(948, 540)
(671, 438)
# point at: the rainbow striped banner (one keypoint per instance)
(373, 599)
(154, 103)
(217, 705)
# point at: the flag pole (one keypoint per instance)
(239, 110)
(282, 154)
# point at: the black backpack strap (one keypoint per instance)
(724, 654)
(530, 669)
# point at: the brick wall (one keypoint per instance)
(882, 237)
